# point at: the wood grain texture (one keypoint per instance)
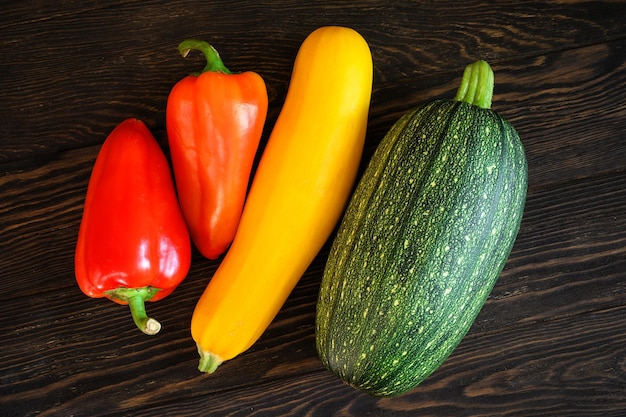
(550, 341)
(560, 272)
(66, 60)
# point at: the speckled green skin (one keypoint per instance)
(423, 241)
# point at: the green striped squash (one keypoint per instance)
(423, 241)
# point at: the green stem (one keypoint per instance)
(477, 85)
(208, 361)
(213, 61)
(136, 298)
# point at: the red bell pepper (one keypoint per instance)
(133, 245)
(214, 125)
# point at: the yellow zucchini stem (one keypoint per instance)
(209, 362)
(477, 85)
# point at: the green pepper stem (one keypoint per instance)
(136, 298)
(477, 85)
(213, 61)
(208, 361)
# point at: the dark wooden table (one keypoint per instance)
(551, 339)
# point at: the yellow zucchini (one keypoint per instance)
(297, 196)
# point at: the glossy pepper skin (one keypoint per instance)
(133, 245)
(214, 125)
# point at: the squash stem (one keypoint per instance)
(136, 298)
(208, 361)
(477, 85)
(213, 61)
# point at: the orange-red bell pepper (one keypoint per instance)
(214, 125)
(133, 245)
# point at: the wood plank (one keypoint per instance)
(64, 89)
(19, 13)
(569, 367)
(549, 341)
(570, 123)
(569, 257)
(574, 122)
(564, 140)
(585, 230)
(566, 367)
